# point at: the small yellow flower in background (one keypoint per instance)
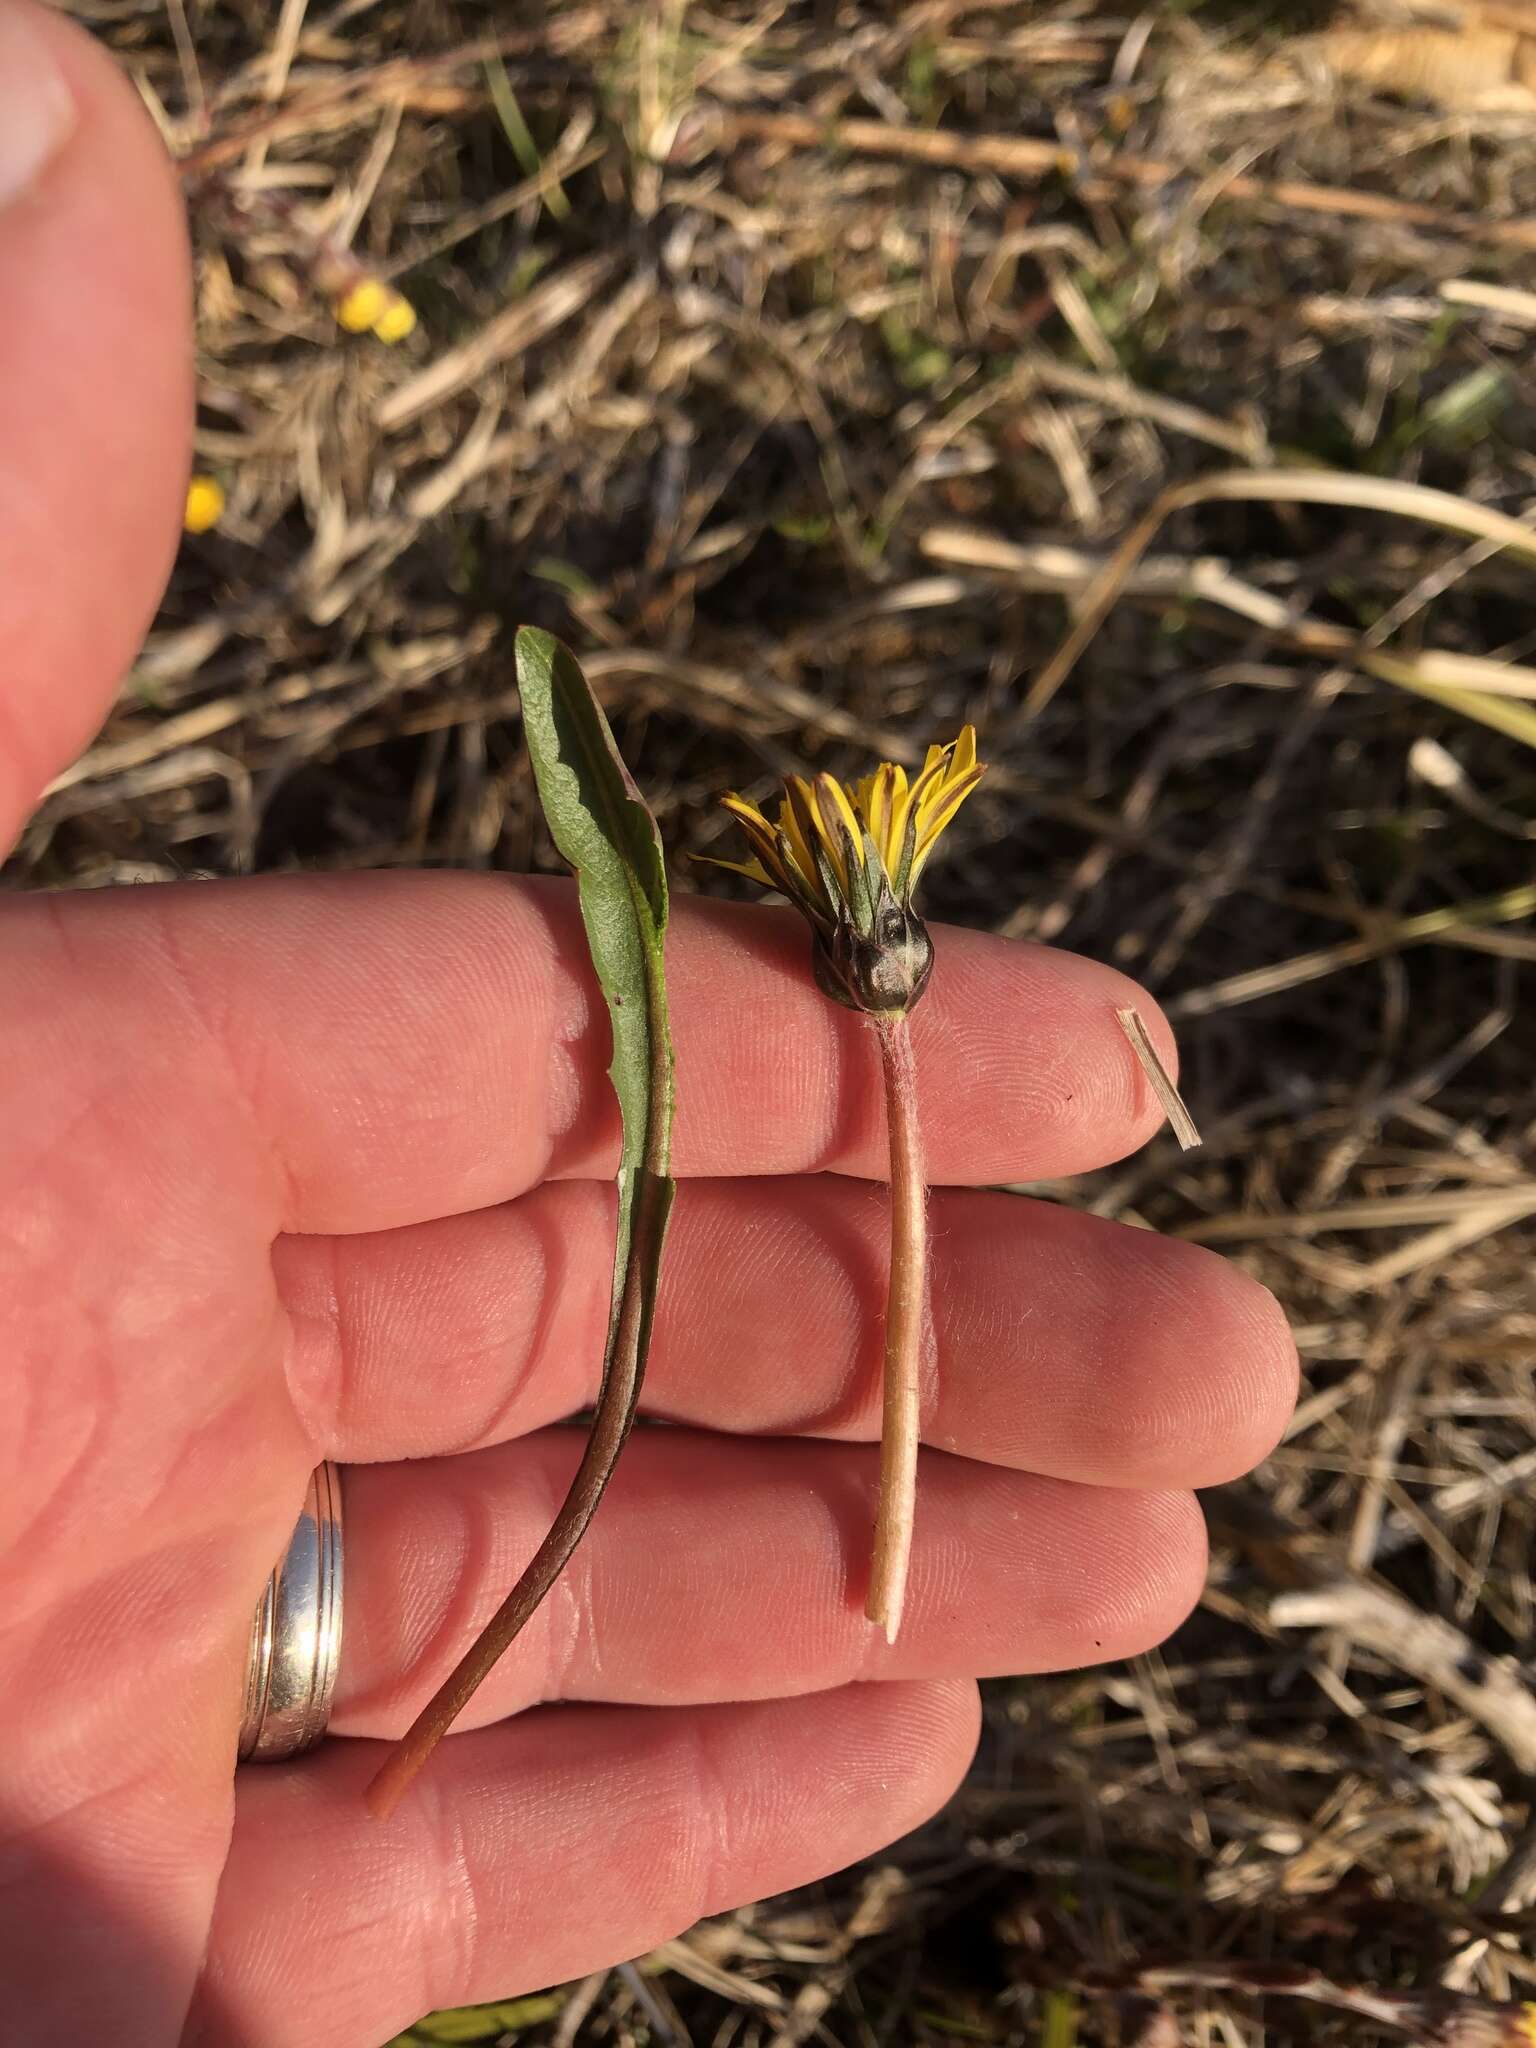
(205, 504)
(357, 309)
(397, 320)
(371, 306)
(849, 856)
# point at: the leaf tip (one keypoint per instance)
(532, 647)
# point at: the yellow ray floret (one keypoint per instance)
(817, 848)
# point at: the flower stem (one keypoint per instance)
(906, 1320)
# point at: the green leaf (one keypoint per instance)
(484, 2022)
(1466, 409)
(515, 128)
(601, 825)
(600, 822)
(1058, 2022)
(466, 2025)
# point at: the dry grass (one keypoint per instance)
(806, 364)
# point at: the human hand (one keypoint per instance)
(310, 1168)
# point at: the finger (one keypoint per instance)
(1065, 1344)
(717, 1570)
(553, 1845)
(95, 390)
(406, 1046)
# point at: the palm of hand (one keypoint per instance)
(312, 1168)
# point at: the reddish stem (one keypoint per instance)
(906, 1321)
(617, 1400)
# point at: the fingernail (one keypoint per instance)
(37, 108)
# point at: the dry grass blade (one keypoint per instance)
(1507, 299)
(1178, 1116)
(1496, 1213)
(1272, 486)
(1450, 922)
(1470, 684)
(1023, 157)
(1390, 1214)
(1461, 673)
(1489, 1689)
(1493, 685)
(525, 321)
(285, 41)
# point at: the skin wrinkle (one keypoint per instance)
(146, 1588)
(30, 1435)
(1084, 1379)
(72, 964)
(371, 1110)
(819, 1044)
(162, 1901)
(572, 1591)
(1185, 1538)
(1173, 1304)
(326, 1335)
(611, 1795)
(856, 1395)
(820, 1576)
(331, 1336)
(378, 1009)
(714, 1791)
(490, 1554)
(942, 1566)
(459, 1894)
(1149, 1422)
(151, 1855)
(135, 1487)
(239, 1353)
(248, 1414)
(549, 1241)
(575, 1603)
(1149, 1604)
(860, 1090)
(348, 1300)
(36, 1231)
(1036, 1552)
(1111, 1086)
(538, 1283)
(215, 1038)
(467, 1534)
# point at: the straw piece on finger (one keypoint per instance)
(1173, 1103)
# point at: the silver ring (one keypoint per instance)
(290, 1674)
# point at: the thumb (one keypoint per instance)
(95, 391)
